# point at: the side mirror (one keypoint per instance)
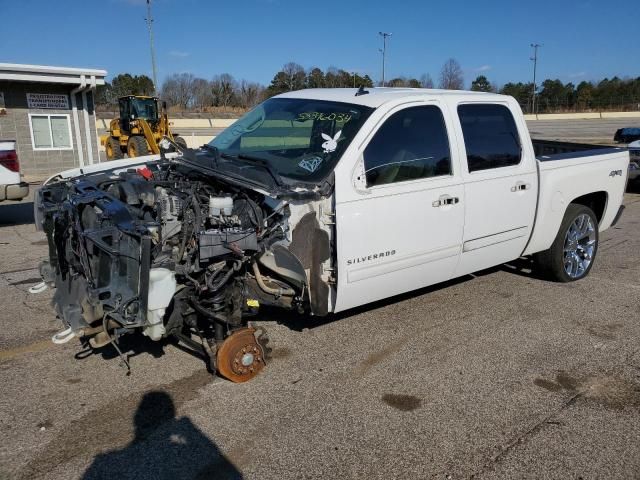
(360, 177)
(164, 105)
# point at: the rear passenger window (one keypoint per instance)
(411, 144)
(490, 136)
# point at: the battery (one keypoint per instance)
(214, 243)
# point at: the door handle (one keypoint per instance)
(444, 200)
(520, 186)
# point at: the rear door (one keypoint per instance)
(500, 185)
(402, 229)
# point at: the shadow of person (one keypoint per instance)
(164, 447)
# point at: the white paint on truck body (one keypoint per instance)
(391, 239)
(397, 237)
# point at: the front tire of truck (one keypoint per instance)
(574, 249)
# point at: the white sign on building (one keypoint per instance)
(48, 100)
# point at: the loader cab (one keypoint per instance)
(133, 107)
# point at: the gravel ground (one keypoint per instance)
(496, 375)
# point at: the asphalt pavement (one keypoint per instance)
(496, 375)
(581, 131)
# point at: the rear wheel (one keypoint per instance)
(137, 146)
(112, 149)
(574, 249)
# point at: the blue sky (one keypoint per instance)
(252, 39)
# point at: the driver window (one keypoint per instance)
(411, 144)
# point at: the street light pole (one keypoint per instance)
(535, 47)
(149, 20)
(384, 36)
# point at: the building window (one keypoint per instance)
(50, 131)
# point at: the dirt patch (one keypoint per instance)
(547, 385)
(607, 390)
(605, 332)
(567, 382)
(405, 403)
(73, 381)
(31, 348)
(112, 425)
(45, 424)
(280, 352)
(612, 392)
(379, 356)
(28, 281)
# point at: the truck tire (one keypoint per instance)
(137, 146)
(112, 149)
(180, 141)
(574, 249)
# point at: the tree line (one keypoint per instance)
(554, 95)
(185, 91)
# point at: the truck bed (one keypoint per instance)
(547, 150)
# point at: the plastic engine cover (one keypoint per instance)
(214, 243)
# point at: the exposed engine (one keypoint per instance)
(170, 251)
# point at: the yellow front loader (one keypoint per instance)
(139, 128)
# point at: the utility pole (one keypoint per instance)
(149, 20)
(535, 47)
(384, 36)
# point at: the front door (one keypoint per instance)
(500, 185)
(402, 229)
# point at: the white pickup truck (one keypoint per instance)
(318, 201)
(11, 185)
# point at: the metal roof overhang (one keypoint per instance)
(48, 74)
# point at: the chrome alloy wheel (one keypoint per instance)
(579, 246)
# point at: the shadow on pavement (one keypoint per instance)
(298, 322)
(164, 447)
(131, 345)
(16, 213)
(523, 266)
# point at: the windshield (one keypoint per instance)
(298, 138)
(144, 108)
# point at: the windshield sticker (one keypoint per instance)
(331, 143)
(337, 116)
(311, 164)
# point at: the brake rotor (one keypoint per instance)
(241, 356)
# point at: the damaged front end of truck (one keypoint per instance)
(190, 246)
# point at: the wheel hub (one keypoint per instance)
(247, 359)
(579, 246)
(240, 357)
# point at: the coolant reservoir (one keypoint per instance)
(162, 286)
(220, 206)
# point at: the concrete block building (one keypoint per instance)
(49, 112)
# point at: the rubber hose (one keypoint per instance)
(278, 292)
